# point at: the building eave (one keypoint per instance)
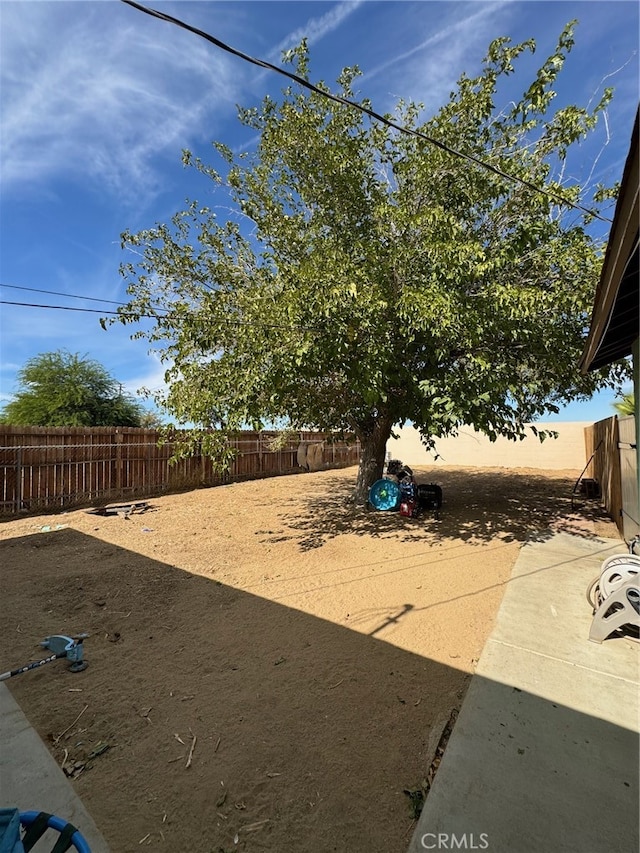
(615, 317)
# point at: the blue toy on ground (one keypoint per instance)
(35, 824)
(384, 494)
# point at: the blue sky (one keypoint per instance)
(98, 100)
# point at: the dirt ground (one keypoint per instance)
(266, 664)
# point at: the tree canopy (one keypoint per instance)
(64, 389)
(369, 277)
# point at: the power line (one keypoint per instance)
(69, 296)
(60, 293)
(261, 63)
(72, 308)
(161, 311)
(155, 316)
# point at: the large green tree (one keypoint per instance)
(371, 277)
(64, 389)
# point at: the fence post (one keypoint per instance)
(19, 481)
(119, 438)
(203, 464)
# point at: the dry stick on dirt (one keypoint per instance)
(55, 740)
(251, 827)
(193, 745)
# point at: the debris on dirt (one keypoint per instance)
(144, 713)
(252, 827)
(418, 795)
(59, 737)
(442, 745)
(416, 798)
(74, 769)
(193, 746)
(99, 749)
(124, 510)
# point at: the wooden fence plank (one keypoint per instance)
(601, 439)
(45, 468)
(628, 477)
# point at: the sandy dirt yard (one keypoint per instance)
(266, 664)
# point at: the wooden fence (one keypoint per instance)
(612, 443)
(47, 468)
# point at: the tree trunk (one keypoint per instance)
(373, 444)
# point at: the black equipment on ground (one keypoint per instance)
(414, 498)
(430, 496)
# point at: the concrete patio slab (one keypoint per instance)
(544, 754)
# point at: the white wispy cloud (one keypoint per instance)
(33, 332)
(150, 377)
(317, 28)
(313, 30)
(429, 76)
(90, 92)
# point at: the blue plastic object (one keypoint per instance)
(55, 822)
(384, 494)
(10, 831)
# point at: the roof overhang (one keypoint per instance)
(616, 311)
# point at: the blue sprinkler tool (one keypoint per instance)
(62, 647)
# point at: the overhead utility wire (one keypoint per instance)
(371, 113)
(69, 296)
(72, 308)
(60, 293)
(165, 312)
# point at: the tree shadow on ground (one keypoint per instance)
(478, 506)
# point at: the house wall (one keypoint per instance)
(473, 449)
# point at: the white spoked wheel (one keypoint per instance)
(593, 594)
(621, 560)
(614, 576)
